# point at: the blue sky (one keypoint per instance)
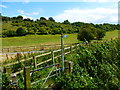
(90, 12)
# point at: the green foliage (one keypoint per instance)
(20, 32)
(5, 81)
(96, 66)
(44, 26)
(90, 33)
(9, 33)
(100, 34)
(51, 19)
(85, 34)
(19, 17)
(42, 18)
(66, 22)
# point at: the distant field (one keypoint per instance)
(111, 34)
(32, 40)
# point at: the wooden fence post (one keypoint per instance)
(3, 50)
(70, 48)
(59, 61)
(35, 63)
(7, 56)
(27, 78)
(34, 47)
(69, 66)
(20, 49)
(52, 53)
(8, 50)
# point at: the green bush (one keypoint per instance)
(85, 34)
(100, 34)
(5, 81)
(96, 66)
(9, 33)
(20, 32)
(90, 33)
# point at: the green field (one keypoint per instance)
(32, 40)
(111, 34)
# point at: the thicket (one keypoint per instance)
(95, 66)
(43, 26)
(87, 34)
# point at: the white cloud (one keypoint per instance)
(27, 15)
(31, 14)
(97, 15)
(35, 13)
(21, 11)
(3, 6)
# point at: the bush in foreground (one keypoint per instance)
(94, 67)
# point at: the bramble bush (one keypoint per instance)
(95, 66)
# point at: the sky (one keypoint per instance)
(94, 11)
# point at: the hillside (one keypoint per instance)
(43, 26)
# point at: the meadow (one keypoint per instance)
(33, 40)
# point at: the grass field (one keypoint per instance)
(111, 34)
(33, 40)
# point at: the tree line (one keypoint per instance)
(43, 26)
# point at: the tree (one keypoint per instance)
(66, 22)
(19, 17)
(51, 19)
(5, 18)
(27, 19)
(85, 34)
(20, 32)
(42, 18)
(100, 34)
(9, 33)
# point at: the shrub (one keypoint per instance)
(100, 34)
(94, 67)
(85, 34)
(20, 32)
(9, 33)
(90, 33)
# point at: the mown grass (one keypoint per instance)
(33, 40)
(30, 40)
(111, 34)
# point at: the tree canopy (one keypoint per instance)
(50, 26)
(20, 32)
